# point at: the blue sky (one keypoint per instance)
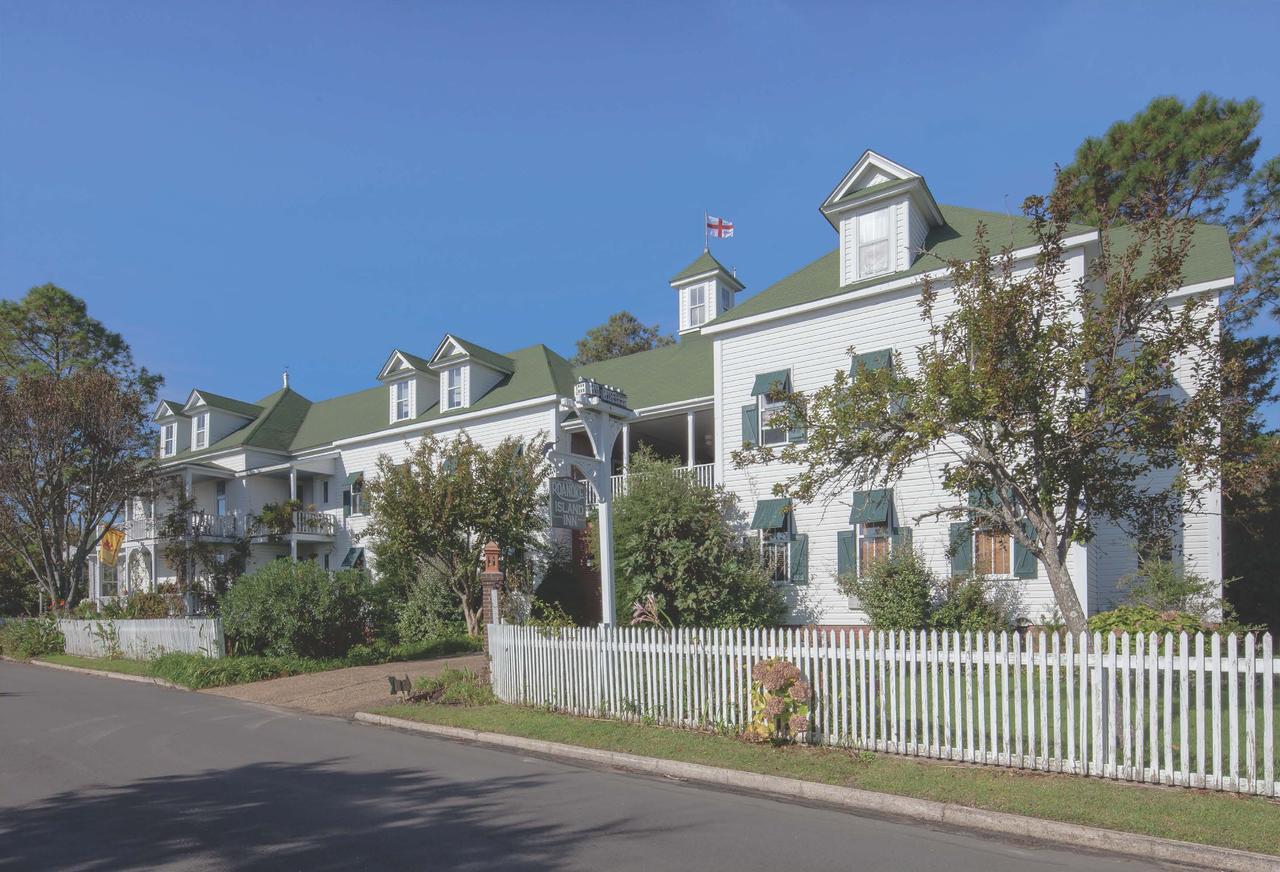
(239, 187)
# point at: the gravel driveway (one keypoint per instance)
(343, 692)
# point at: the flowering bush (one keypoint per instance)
(780, 700)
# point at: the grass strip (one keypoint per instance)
(198, 672)
(1224, 819)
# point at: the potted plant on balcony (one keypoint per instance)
(276, 519)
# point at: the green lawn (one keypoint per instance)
(1229, 820)
(128, 667)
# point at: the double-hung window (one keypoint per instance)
(220, 498)
(784, 553)
(453, 387)
(873, 544)
(357, 497)
(773, 430)
(775, 549)
(168, 440)
(873, 243)
(991, 552)
(201, 436)
(697, 305)
(400, 394)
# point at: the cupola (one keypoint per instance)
(705, 289)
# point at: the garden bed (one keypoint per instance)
(1222, 819)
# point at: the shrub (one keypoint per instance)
(454, 687)
(894, 591)
(676, 539)
(1143, 619)
(1164, 586)
(31, 637)
(197, 671)
(294, 609)
(431, 611)
(780, 700)
(969, 604)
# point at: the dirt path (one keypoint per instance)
(343, 691)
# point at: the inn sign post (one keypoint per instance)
(603, 411)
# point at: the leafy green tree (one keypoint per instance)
(435, 511)
(75, 435)
(19, 594)
(1200, 160)
(676, 540)
(1053, 400)
(622, 334)
(195, 556)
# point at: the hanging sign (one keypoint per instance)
(568, 503)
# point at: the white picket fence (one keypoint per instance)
(139, 639)
(1197, 712)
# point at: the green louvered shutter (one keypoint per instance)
(901, 538)
(873, 360)
(800, 559)
(961, 549)
(346, 503)
(846, 553)
(1024, 562)
(751, 424)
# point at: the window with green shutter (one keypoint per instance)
(799, 559)
(751, 424)
(1024, 562)
(961, 549)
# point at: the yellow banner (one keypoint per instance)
(109, 547)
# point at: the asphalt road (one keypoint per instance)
(97, 774)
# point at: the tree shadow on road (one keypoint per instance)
(296, 816)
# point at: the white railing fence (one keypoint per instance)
(1194, 711)
(140, 639)
(704, 474)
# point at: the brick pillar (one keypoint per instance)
(491, 577)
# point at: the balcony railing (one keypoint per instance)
(141, 528)
(704, 474)
(213, 526)
(313, 523)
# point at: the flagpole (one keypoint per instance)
(706, 232)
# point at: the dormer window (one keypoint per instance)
(401, 401)
(200, 431)
(697, 305)
(453, 397)
(873, 243)
(168, 440)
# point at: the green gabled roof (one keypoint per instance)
(868, 191)
(1209, 258)
(705, 263)
(174, 407)
(492, 359)
(660, 376)
(419, 363)
(272, 429)
(227, 404)
(956, 238)
(537, 372)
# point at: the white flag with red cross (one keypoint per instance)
(719, 227)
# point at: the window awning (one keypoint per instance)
(778, 381)
(354, 556)
(872, 360)
(355, 477)
(871, 507)
(771, 514)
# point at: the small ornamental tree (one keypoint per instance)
(1053, 399)
(193, 555)
(676, 540)
(435, 510)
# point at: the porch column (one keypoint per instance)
(689, 438)
(626, 448)
(293, 495)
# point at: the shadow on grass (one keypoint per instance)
(295, 816)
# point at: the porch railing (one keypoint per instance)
(141, 528)
(213, 526)
(314, 523)
(704, 474)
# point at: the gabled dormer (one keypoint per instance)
(412, 387)
(705, 289)
(467, 371)
(175, 432)
(883, 212)
(213, 416)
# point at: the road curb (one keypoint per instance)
(102, 673)
(852, 798)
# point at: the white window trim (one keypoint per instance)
(973, 549)
(447, 390)
(860, 272)
(200, 431)
(863, 537)
(407, 401)
(764, 404)
(168, 440)
(220, 498)
(701, 305)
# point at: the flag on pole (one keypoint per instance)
(109, 547)
(719, 227)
